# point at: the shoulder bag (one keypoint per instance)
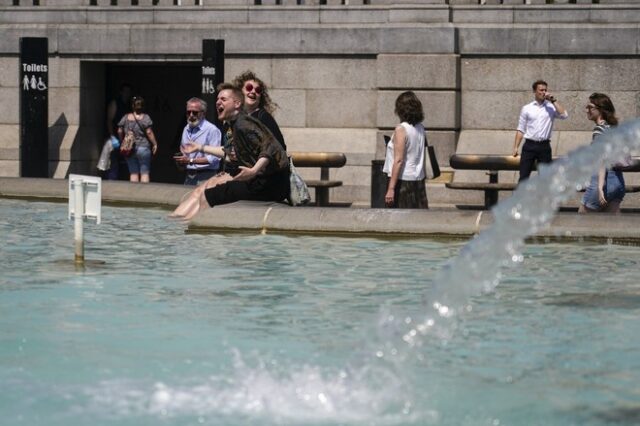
(431, 163)
(299, 193)
(128, 147)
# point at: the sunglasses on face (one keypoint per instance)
(250, 87)
(192, 112)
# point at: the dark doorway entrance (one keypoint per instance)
(165, 87)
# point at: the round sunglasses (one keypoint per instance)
(250, 87)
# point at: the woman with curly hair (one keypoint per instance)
(258, 103)
(404, 160)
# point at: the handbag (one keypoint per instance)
(299, 192)
(432, 167)
(128, 146)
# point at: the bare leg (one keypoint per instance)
(202, 202)
(144, 178)
(198, 204)
(133, 177)
(189, 207)
(186, 204)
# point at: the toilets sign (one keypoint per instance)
(34, 77)
(34, 107)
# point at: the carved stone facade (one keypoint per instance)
(334, 69)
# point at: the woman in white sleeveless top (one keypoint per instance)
(404, 160)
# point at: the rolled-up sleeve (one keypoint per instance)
(214, 138)
(522, 121)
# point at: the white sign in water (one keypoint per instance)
(89, 188)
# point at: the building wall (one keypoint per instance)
(335, 70)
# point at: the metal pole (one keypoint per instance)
(78, 220)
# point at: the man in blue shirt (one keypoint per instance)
(199, 166)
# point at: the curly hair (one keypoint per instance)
(409, 108)
(605, 106)
(265, 100)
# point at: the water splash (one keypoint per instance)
(258, 394)
(478, 267)
(375, 387)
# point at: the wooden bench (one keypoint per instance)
(325, 161)
(492, 164)
(496, 163)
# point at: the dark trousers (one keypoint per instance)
(532, 151)
(270, 188)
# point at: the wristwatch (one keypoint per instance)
(191, 161)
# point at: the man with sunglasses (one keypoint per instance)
(535, 126)
(199, 166)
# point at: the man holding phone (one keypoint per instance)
(535, 126)
(199, 166)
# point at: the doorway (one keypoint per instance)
(165, 87)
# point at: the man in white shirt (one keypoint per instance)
(535, 126)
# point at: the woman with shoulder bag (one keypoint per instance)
(404, 160)
(138, 141)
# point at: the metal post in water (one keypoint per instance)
(79, 221)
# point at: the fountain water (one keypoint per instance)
(478, 266)
(238, 334)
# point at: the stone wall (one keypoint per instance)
(335, 70)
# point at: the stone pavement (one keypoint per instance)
(260, 217)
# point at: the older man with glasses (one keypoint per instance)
(199, 166)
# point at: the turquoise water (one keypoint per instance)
(183, 329)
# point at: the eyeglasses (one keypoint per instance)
(192, 112)
(591, 107)
(250, 87)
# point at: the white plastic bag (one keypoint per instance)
(105, 156)
(299, 193)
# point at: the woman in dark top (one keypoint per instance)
(258, 103)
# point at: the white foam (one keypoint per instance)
(307, 394)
